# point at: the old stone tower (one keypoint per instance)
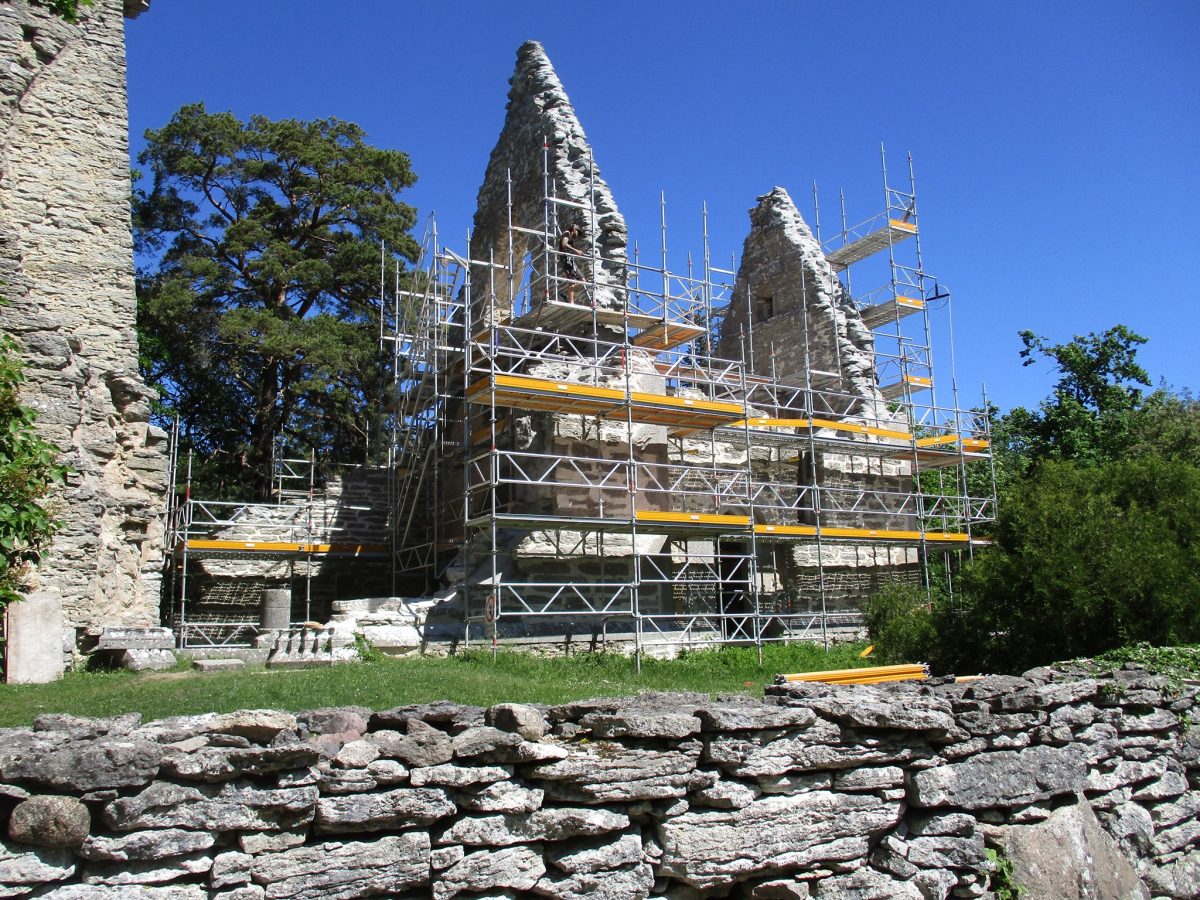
(66, 260)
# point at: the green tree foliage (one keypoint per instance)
(67, 10)
(255, 310)
(1097, 543)
(1090, 412)
(27, 471)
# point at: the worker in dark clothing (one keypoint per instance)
(566, 250)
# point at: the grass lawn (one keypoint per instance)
(468, 678)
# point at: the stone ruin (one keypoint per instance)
(542, 177)
(66, 261)
(64, 198)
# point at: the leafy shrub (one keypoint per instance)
(27, 470)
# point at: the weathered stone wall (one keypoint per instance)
(66, 260)
(542, 148)
(790, 318)
(818, 791)
(794, 316)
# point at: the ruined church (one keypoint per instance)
(583, 443)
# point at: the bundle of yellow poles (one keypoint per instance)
(871, 675)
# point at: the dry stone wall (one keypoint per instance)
(66, 260)
(815, 791)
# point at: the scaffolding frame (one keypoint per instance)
(286, 530)
(692, 533)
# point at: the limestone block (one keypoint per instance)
(50, 821)
(24, 868)
(422, 745)
(447, 775)
(146, 660)
(218, 665)
(500, 797)
(117, 637)
(213, 764)
(155, 872)
(554, 824)
(35, 625)
(146, 845)
(626, 883)
(392, 809)
(388, 865)
(46, 759)
(1069, 855)
(518, 868)
(1003, 778)
(527, 721)
(709, 849)
(604, 771)
(232, 807)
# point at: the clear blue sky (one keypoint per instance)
(1057, 144)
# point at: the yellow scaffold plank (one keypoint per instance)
(912, 383)
(898, 307)
(870, 675)
(829, 424)
(665, 335)
(527, 392)
(690, 520)
(941, 440)
(941, 451)
(856, 428)
(282, 547)
(867, 535)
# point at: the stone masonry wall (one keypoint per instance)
(803, 327)
(539, 113)
(66, 260)
(816, 791)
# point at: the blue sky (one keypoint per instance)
(1056, 144)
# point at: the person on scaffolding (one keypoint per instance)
(566, 250)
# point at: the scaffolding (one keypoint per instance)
(595, 465)
(283, 542)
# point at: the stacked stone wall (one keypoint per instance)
(816, 791)
(66, 260)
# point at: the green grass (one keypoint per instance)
(467, 678)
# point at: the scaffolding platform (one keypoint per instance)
(859, 535)
(544, 394)
(199, 546)
(944, 450)
(806, 427)
(870, 243)
(560, 317)
(664, 335)
(893, 310)
(691, 522)
(909, 384)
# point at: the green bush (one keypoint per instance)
(27, 469)
(900, 621)
(1091, 558)
(1086, 559)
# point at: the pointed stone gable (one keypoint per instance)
(540, 115)
(782, 270)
